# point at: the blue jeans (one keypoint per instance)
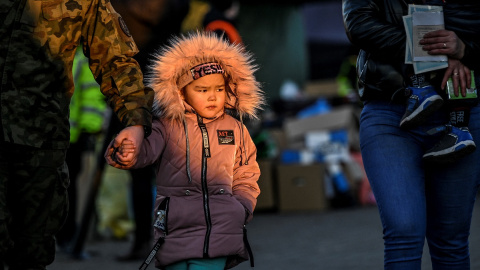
(417, 201)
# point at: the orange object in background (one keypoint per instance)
(227, 28)
(365, 193)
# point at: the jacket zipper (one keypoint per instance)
(206, 207)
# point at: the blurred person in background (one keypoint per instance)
(39, 40)
(151, 23)
(416, 200)
(88, 111)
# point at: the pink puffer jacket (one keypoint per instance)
(205, 216)
(206, 168)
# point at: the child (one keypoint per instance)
(422, 102)
(205, 159)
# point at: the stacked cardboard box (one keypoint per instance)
(307, 185)
(266, 199)
(342, 117)
(301, 187)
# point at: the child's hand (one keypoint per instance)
(124, 154)
(118, 156)
(127, 147)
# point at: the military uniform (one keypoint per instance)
(38, 44)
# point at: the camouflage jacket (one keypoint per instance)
(38, 43)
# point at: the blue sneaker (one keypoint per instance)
(421, 104)
(455, 144)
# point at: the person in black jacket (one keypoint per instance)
(416, 200)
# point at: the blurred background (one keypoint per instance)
(315, 210)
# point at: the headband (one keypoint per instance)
(199, 71)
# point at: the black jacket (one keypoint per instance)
(376, 27)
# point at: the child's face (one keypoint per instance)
(206, 95)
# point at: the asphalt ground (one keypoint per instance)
(327, 240)
(339, 239)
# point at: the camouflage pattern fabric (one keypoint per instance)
(32, 211)
(39, 40)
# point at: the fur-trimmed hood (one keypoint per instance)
(188, 51)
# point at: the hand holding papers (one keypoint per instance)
(424, 22)
(421, 20)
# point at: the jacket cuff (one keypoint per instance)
(467, 58)
(248, 204)
(147, 131)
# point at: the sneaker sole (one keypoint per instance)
(451, 154)
(420, 115)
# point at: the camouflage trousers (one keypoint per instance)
(33, 204)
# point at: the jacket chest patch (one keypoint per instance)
(225, 137)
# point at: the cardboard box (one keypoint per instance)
(342, 117)
(266, 199)
(301, 187)
(322, 88)
(337, 118)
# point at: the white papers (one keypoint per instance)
(422, 19)
(424, 22)
(407, 22)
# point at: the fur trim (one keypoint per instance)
(187, 51)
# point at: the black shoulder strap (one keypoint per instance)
(154, 251)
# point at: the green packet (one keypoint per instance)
(471, 92)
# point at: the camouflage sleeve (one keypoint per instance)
(110, 47)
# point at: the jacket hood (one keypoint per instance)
(187, 51)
